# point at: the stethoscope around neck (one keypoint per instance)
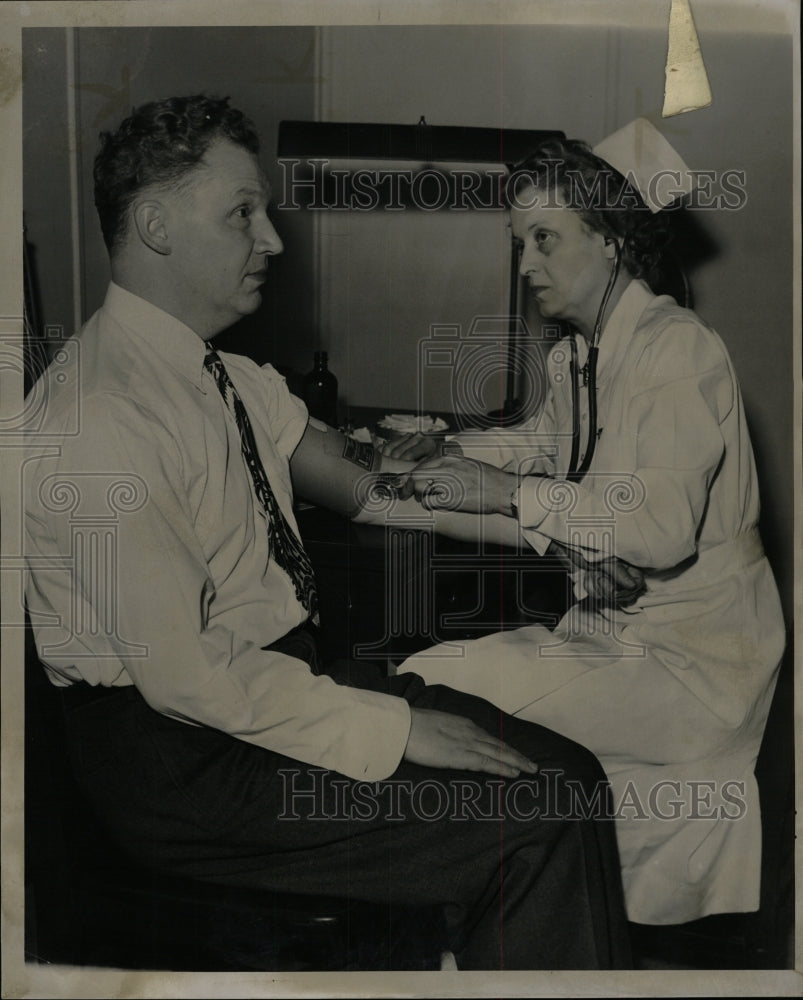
(589, 374)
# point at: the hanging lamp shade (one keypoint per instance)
(422, 142)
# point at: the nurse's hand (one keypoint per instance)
(614, 583)
(413, 447)
(440, 739)
(611, 582)
(451, 482)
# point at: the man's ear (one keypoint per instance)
(150, 219)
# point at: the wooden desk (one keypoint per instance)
(386, 593)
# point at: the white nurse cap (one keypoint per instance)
(640, 153)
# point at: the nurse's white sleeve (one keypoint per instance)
(672, 426)
(526, 449)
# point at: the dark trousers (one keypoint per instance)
(527, 877)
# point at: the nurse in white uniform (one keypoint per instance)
(650, 466)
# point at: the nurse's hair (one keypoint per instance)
(158, 146)
(604, 199)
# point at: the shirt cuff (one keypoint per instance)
(533, 495)
(373, 747)
(537, 541)
(546, 503)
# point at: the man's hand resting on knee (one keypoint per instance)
(440, 739)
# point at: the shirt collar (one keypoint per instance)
(164, 335)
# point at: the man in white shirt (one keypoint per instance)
(181, 634)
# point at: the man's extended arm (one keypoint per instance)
(336, 472)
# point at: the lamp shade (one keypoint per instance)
(421, 142)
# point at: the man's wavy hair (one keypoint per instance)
(603, 198)
(158, 145)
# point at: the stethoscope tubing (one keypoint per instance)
(576, 473)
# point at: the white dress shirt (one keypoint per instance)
(147, 549)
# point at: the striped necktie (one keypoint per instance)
(285, 546)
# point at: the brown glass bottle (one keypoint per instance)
(320, 390)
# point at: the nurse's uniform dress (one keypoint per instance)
(672, 693)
